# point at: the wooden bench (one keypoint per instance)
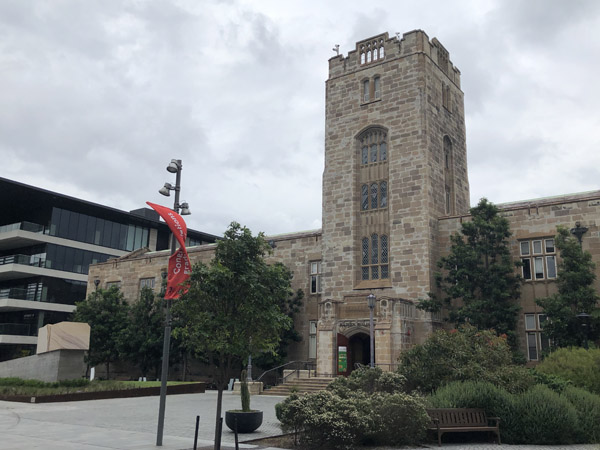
(459, 420)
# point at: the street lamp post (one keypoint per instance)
(175, 167)
(371, 303)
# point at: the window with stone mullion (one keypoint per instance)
(375, 254)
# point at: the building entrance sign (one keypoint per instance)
(342, 359)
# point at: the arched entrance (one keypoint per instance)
(358, 351)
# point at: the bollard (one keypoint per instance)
(237, 445)
(196, 433)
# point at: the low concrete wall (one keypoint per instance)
(51, 366)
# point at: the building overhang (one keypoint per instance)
(9, 339)
(12, 304)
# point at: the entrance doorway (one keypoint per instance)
(358, 351)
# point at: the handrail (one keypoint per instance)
(279, 367)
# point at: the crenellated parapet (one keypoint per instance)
(381, 48)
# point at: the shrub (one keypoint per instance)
(496, 402)
(554, 382)
(577, 365)
(398, 419)
(327, 420)
(545, 418)
(368, 380)
(462, 355)
(365, 408)
(588, 411)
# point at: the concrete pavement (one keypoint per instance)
(128, 423)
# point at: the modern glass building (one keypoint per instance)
(47, 242)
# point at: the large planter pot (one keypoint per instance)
(247, 422)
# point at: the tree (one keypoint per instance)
(576, 294)
(232, 308)
(479, 281)
(106, 312)
(141, 342)
(289, 306)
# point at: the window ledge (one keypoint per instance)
(370, 101)
(374, 284)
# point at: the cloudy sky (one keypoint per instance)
(98, 96)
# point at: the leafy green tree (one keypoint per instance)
(576, 294)
(463, 354)
(232, 308)
(141, 342)
(107, 314)
(479, 283)
(289, 306)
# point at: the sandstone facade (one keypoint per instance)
(395, 186)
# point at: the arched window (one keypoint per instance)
(376, 88)
(381, 50)
(366, 90)
(364, 197)
(362, 57)
(373, 146)
(368, 56)
(383, 194)
(374, 192)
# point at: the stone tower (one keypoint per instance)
(395, 162)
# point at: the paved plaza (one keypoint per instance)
(130, 424)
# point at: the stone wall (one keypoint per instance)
(50, 367)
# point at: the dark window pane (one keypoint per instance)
(69, 259)
(78, 261)
(130, 237)
(364, 197)
(54, 221)
(365, 251)
(138, 238)
(383, 151)
(365, 273)
(90, 230)
(82, 227)
(526, 268)
(144, 237)
(123, 237)
(375, 272)
(374, 249)
(374, 153)
(107, 233)
(59, 255)
(532, 346)
(384, 249)
(114, 235)
(383, 198)
(365, 155)
(87, 260)
(384, 272)
(99, 233)
(374, 189)
(73, 224)
(63, 228)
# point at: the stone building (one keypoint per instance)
(395, 187)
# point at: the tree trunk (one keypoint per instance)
(218, 418)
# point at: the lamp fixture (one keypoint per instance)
(173, 166)
(185, 209)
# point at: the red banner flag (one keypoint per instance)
(180, 268)
(174, 221)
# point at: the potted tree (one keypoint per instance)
(245, 420)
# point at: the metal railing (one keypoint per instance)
(25, 226)
(33, 295)
(276, 373)
(26, 260)
(15, 329)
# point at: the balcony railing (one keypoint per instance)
(25, 226)
(15, 329)
(26, 260)
(21, 294)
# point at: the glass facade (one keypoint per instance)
(95, 230)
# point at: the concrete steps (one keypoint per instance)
(299, 385)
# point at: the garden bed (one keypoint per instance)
(187, 388)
